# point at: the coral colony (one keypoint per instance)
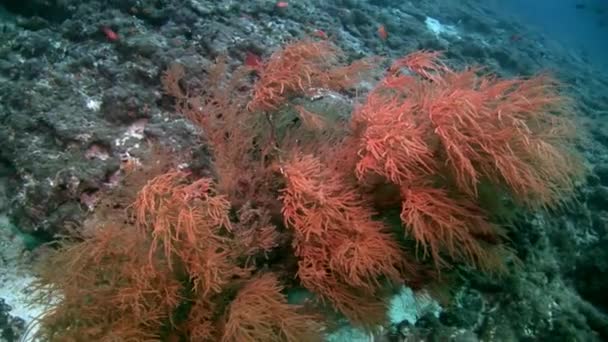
(345, 206)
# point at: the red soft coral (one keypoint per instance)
(187, 221)
(459, 228)
(260, 312)
(393, 140)
(300, 67)
(343, 252)
(436, 126)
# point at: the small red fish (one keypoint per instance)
(515, 38)
(253, 61)
(110, 34)
(382, 33)
(320, 34)
(282, 4)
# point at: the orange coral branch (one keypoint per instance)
(299, 67)
(186, 220)
(442, 225)
(343, 252)
(463, 128)
(261, 313)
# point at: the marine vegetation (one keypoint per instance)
(301, 195)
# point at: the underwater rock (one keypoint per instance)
(599, 198)
(72, 103)
(601, 171)
(11, 328)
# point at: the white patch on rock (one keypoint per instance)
(16, 277)
(439, 29)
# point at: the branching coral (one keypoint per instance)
(438, 127)
(171, 275)
(515, 132)
(185, 220)
(441, 224)
(105, 289)
(261, 313)
(238, 140)
(299, 68)
(186, 266)
(343, 251)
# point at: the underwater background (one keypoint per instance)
(580, 25)
(313, 170)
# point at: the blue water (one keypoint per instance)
(584, 30)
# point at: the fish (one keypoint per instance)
(110, 34)
(382, 33)
(515, 37)
(253, 61)
(319, 34)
